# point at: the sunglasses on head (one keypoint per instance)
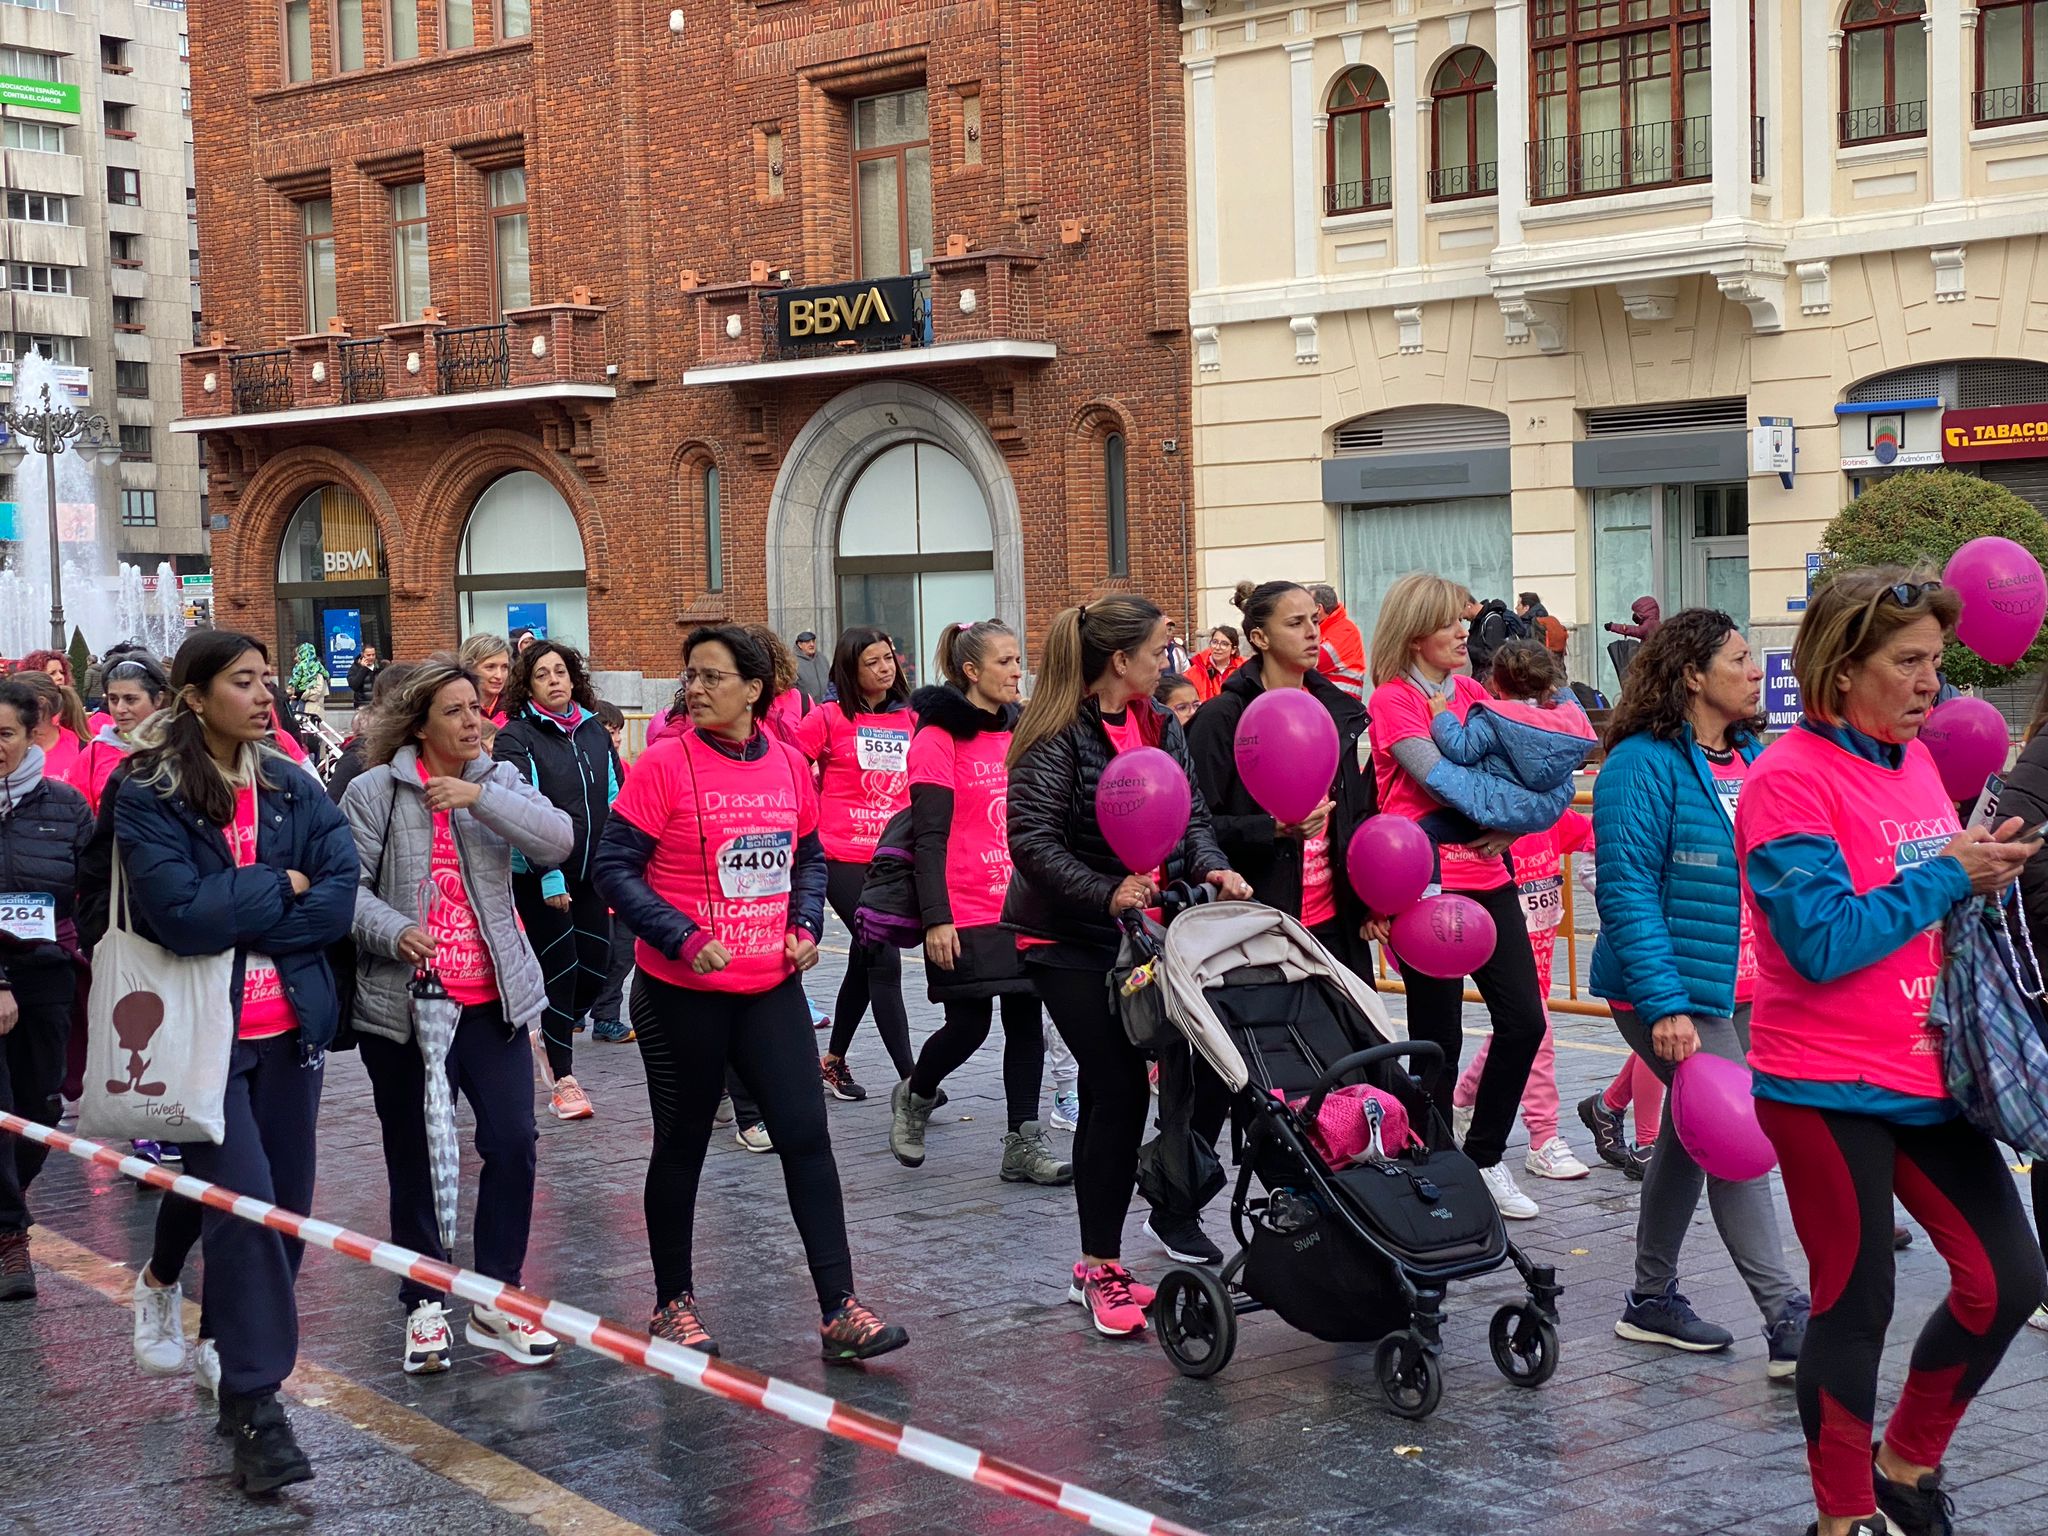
(1904, 593)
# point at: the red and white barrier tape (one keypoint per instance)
(785, 1400)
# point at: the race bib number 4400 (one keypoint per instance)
(755, 865)
(30, 916)
(879, 749)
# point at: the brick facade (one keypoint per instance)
(662, 170)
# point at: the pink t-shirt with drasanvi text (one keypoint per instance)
(1399, 711)
(1729, 777)
(978, 841)
(725, 837)
(265, 1009)
(461, 958)
(864, 764)
(1871, 1025)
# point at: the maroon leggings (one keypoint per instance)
(1841, 1172)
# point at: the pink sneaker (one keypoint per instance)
(1077, 1292)
(569, 1102)
(1112, 1301)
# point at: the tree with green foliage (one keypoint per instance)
(1919, 520)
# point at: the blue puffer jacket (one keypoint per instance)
(1502, 803)
(186, 893)
(1670, 893)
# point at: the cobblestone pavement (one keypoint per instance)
(1627, 1439)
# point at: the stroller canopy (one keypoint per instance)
(1205, 944)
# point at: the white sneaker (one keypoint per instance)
(723, 1115)
(1508, 1199)
(1066, 1109)
(1461, 1123)
(754, 1138)
(1555, 1160)
(427, 1340)
(159, 1328)
(2038, 1318)
(206, 1368)
(518, 1341)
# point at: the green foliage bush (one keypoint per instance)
(1919, 520)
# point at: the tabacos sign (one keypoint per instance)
(1995, 432)
(883, 307)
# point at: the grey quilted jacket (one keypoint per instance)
(394, 832)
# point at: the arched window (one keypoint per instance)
(521, 565)
(1361, 155)
(915, 548)
(2012, 61)
(1115, 500)
(333, 587)
(1462, 152)
(714, 531)
(1884, 70)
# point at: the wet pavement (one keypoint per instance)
(1627, 1440)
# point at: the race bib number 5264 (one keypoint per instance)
(755, 865)
(30, 916)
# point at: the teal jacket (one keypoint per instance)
(1670, 893)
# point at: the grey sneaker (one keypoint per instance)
(908, 1114)
(1786, 1337)
(1028, 1155)
(1669, 1319)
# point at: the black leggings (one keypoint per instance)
(1115, 1102)
(687, 1038)
(575, 953)
(1841, 1172)
(966, 1030)
(874, 974)
(1514, 1001)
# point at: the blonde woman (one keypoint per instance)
(490, 658)
(1418, 657)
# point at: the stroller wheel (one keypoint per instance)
(1413, 1390)
(1195, 1320)
(1524, 1344)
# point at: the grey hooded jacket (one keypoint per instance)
(394, 831)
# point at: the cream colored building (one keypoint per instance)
(1504, 290)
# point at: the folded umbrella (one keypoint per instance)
(434, 1016)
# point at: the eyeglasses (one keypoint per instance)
(707, 677)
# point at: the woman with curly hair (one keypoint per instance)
(553, 737)
(1676, 956)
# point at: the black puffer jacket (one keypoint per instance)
(1247, 833)
(577, 771)
(987, 964)
(42, 837)
(1064, 872)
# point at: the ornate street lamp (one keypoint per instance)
(50, 429)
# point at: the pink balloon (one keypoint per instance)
(2004, 597)
(1286, 751)
(1969, 741)
(1390, 862)
(1445, 935)
(1715, 1116)
(1142, 804)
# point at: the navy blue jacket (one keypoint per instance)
(186, 893)
(1670, 893)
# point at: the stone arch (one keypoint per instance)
(267, 503)
(827, 456)
(448, 492)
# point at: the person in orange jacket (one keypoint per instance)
(1343, 655)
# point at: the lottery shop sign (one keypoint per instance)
(1994, 432)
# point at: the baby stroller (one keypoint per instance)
(1351, 1255)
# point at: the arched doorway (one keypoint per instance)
(915, 549)
(333, 586)
(521, 564)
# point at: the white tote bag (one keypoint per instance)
(159, 1031)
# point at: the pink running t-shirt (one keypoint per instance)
(1399, 711)
(865, 765)
(1871, 1025)
(1729, 777)
(461, 958)
(265, 1009)
(1318, 891)
(725, 835)
(978, 841)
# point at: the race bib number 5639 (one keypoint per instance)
(755, 865)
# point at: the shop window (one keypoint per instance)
(521, 564)
(1463, 144)
(1361, 159)
(402, 30)
(892, 176)
(1622, 96)
(915, 548)
(511, 261)
(2012, 61)
(1884, 71)
(409, 249)
(333, 587)
(316, 230)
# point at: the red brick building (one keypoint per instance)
(518, 316)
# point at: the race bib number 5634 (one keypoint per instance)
(880, 750)
(755, 865)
